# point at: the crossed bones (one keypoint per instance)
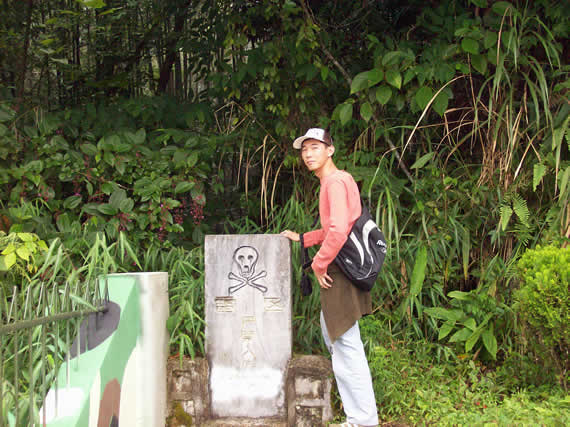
(247, 281)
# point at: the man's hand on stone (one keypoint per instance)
(291, 235)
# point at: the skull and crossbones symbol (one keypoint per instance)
(246, 258)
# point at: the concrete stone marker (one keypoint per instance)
(248, 324)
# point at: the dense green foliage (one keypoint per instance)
(415, 388)
(151, 123)
(543, 303)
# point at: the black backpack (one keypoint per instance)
(361, 256)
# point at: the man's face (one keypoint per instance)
(315, 154)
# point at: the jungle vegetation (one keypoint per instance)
(143, 125)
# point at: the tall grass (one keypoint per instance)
(62, 283)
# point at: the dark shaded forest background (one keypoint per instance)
(167, 120)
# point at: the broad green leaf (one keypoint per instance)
(479, 62)
(383, 94)
(109, 158)
(391, 58)
(192, 160)
(394, 78)
(409, 75)
(438, 312)
(25, 237)
(470, 323)
(142, 221)
(72, 202)
(117, 197)
(6, 113)
(9, 249)
(479, 3)
(501, 7)
(564, 181)
(441, 102)
(420, 163)
(463, 296)
(472, 340)
(111, 142)
(461, 335)
(490, 39)
(558, 134)
(107, 209)
(121, 166)
(89, 149)
(423, 96)
(3, 266)
(365, 80)
(470, 46)
(366, 111)
(400, 101)
(127, 205)
(419, 271)
(108, 188)
(93, 4)
(23, 253)
(345, 113)
(183, 187)
(10, 260)
(359, 82)
(122, 147)
(490, 342)
(506, 213)
(445, 329)
(140, 136)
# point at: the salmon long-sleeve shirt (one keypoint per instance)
(339, 208)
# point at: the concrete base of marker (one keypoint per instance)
(308, 387)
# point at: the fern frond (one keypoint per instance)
(506, 213)
(521, 209)
(539, 170)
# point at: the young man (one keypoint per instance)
(342, 304)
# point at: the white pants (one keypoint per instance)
(352, 376)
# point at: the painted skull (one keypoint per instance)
(246, 257)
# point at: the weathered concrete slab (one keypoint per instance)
(248, 324)
(309, 381)
(309, 391)
(246, 422)
(188, 391)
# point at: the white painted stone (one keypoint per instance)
(248, 323)
(307, 387)
(69, 401)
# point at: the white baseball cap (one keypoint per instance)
(313, 133)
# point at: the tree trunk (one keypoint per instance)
(21, 78)
(170, 48)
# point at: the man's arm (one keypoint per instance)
(338, 230)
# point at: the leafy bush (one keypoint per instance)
(543, 302)
(421, 383)
(472, 320)
(18, 253)
(107, 168)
